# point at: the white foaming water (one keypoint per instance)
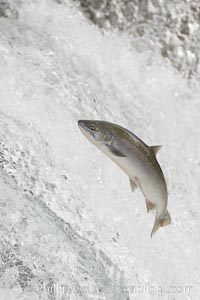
(68, 216)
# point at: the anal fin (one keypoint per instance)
(133, 183)
(150, 205)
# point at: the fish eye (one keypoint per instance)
(92, 128)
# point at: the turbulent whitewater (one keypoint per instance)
(70, 227)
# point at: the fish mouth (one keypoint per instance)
(81, 123)
(82, 127)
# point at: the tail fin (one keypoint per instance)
(163, 220)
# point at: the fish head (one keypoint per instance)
(97, 132)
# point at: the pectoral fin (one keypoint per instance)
(115, 151)
(155, 149)
(133, 184)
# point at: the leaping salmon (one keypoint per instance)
(136, 159)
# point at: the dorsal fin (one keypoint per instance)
(155, 149)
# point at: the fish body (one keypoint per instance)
(136, 159)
